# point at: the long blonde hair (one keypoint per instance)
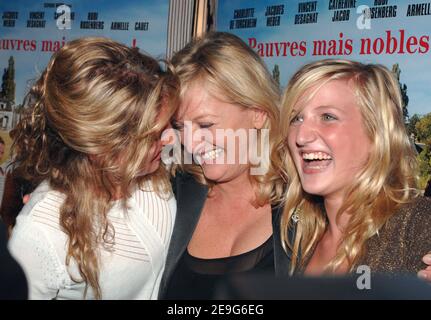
(234, 73)
(91, 119)
(377, 190)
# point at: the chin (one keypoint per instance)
(213, 176)
(314, 189)
(214, 173)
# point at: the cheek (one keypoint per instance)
(152, 152)
(291, 139)
(292, 149)
(353, 149)
(362, 149)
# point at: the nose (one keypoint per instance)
(305, 133)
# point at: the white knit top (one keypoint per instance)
(129, 269)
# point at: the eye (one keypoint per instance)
(328, 117)
(297, 118)
(205, 125)
(177, 125)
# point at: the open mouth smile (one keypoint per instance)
(315, 161)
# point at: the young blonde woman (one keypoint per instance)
(99, 223)
(225, 223)
(352, 198)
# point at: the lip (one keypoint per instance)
(302, 151)
(204, 148)
(323, 164)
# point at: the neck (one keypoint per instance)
(239, 188)
(332, 206)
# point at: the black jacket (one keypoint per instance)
(191, 197)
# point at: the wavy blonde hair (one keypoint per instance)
(378, 189)
(234, 73)
(94, 106)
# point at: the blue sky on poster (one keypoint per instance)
(415, 68)
(28, 65)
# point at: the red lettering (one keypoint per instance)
(424, 44)
(303, 48)
(348, 47)
(391, 43)
(401, 51)
(365, 42)
(285, 46)
(378, 46)
(294, 49)
(412, 42)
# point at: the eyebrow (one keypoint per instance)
(331, 107)
(204, 116)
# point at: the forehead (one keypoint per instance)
(198, 101)
(340, 93)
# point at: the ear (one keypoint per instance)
(259, 118)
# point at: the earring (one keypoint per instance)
(295, 215)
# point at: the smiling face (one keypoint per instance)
(327, 139)
(205, 122)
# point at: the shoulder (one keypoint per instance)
(40, 217)
(44, 203)
(412, 222)
(416, 211)
(403, 240)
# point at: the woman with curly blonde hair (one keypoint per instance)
(99, 223)
(352, 198)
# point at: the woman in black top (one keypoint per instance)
(227, 121)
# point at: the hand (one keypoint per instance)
(26, 198)
(425, 274)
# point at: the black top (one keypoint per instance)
(196, 278)
(191, 196)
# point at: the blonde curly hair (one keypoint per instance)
(90, 120)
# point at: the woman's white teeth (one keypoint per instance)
(316, 156)
(212, 154)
